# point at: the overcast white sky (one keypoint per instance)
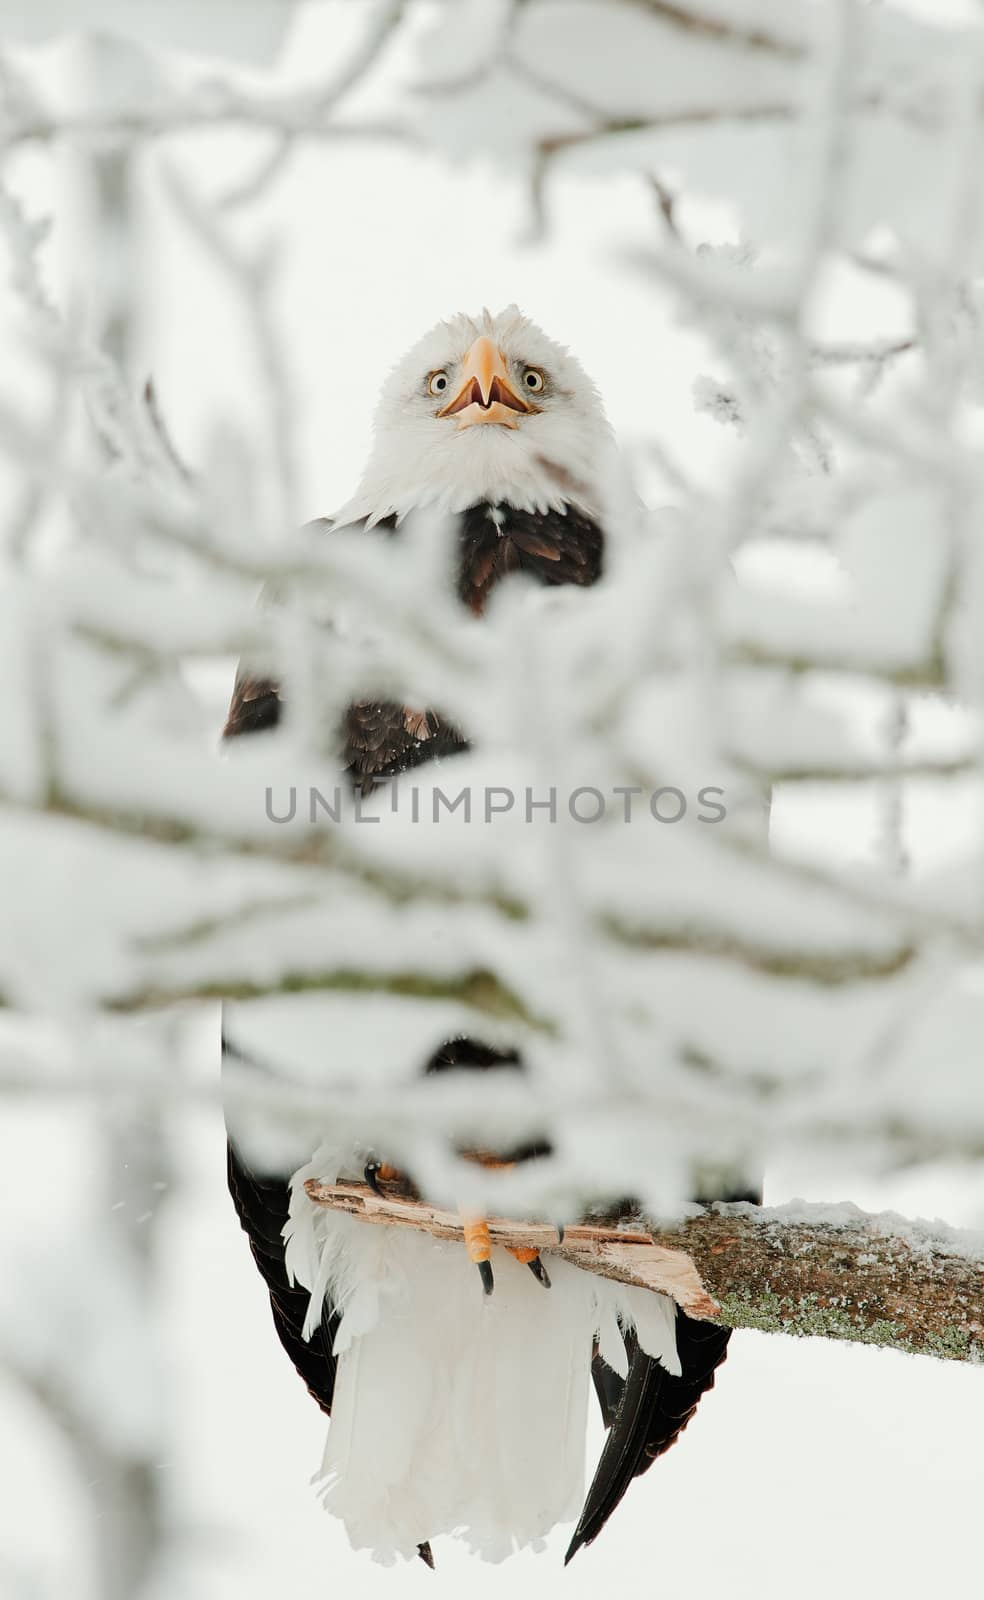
(813, 1468)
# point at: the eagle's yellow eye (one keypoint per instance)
(437, 382)
(533, 379)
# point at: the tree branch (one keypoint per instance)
(830, 1271)
(625, 1255)
(840, 1273)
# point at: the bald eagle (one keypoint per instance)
(455, 1410)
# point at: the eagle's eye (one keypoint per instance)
(437, 382)
(533, 379)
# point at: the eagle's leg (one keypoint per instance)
(478, 1243)
(531, 1259)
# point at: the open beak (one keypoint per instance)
(485, 394)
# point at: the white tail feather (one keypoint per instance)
(457, 1413)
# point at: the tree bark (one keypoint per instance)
(830, 1271)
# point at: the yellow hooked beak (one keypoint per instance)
(486, 394)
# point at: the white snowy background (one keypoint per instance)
(139, 1331)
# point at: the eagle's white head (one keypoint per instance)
(485, 408)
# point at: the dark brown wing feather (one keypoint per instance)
(653, 1409)
(381, 738)
(262, 1207)
(624, 1446)
(554, 547)
(255, 706)
(646, 1412)
(608, 1387)
(378, 738)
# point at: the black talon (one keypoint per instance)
(426, 1554)
(369, 1172)
(539, 1271)
(488, 1281)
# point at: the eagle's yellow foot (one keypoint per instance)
(376, 1172)
(479, 1247)
(480, 1232)
(531, 1259)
